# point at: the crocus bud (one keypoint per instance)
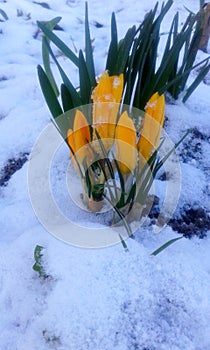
(125, 136)
(81, 135)
(106, 99)
(152, 125)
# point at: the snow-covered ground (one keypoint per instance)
(94, 298)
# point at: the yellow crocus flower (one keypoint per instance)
(152, 125)
(79, 138)
(106, 99)
(125, 136)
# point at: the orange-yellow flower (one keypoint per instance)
(125, 136)
(79, 138)
(106, 99)
(152, 125)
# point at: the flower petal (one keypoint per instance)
(125, 136)
(152, 125)
(106, 98)
(81, 133)
(109, 89)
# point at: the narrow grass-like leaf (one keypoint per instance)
(137, 70)
(124, 50)
(131, 195)
(108, 163)
(72, 151)
(164, 9)
(196, 82)
(122, 217)
(85, 83)
(202, 2)
(59, 43)
(145, 178)
(123, 243)
(89, 50)
(87, 177)
(191, 55)
(49, 94)
(163, 160)
(166, 245)
(113, 47)
(179, 77)
(74, 94)
(105, 155)
(46, 63)
(46, 56)
(66, 99)
(121, 202)
(169, 39)
(129, 76)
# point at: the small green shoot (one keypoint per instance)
(38, 265)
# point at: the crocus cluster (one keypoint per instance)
(110, 131)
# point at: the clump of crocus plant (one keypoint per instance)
(110, 147)
(115, 155)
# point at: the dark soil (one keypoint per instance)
(192, 148)
(11, 167)
(190, 220)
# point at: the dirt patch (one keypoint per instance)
(11, 167)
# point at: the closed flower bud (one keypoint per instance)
(152, 126)
(125, 136)
(81, 135)
(106, 99)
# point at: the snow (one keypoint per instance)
(102, 298)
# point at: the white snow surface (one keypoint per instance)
(104, 299)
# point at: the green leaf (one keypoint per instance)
(66, 98)
(123, 243)
(45, 54)
(85, 84)
(196, 82)
(52, 23)
(202, 2)
(37, 252)
(169, 39)
(128, 76)
(108, 163)
(59, 43)
(113, 47)
(38, 265)
(87, 180)
(163, 160)
(179, 77)
(139, 78)
(166, 245)
(131, 195)
(49, 94)
(89, 50)
(125, 223)
(146, 176)
(121, 202)
(46, 62)
(105, 155)
(74, 94)
(124, 50)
